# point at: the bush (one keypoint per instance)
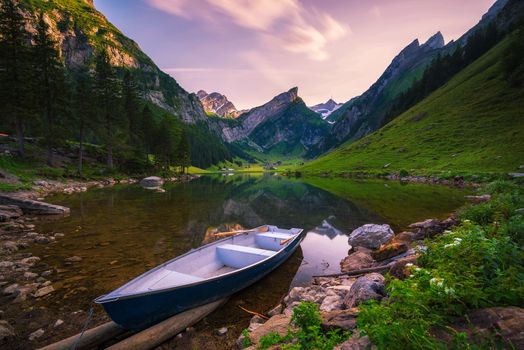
(307, 332)
(403, 173)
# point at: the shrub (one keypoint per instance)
(403, 173)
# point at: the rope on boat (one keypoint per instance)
(86, 324)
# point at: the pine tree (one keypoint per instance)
(132, 108)
(51, 89)
(148, 130)
(183, 157)
(166, 138)
(107, 90)
(16, 97)
(83, 111)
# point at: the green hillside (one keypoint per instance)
(474, 123)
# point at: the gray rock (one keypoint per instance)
(332, 301)
(355, 343)
(360, 259)
(73, 259)
(42, 239)
(275, 311)
(30, 275)
(30, 261)
(8, 212)
(11, 289)
(152, 181)
(370, 286)
(371, 236)
(255, 322)
(339, 319)
(58, 323)
(36, 334)
(10, 246)
(6, 331)
(222, 331)
(6, 264)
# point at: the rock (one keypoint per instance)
(370, 286)
(42, 239)
(11, 289)
(298, 294)
(152, 181)
(46, 273)
(399, 268)
(8, 212)
(58, 323)
(44, 291)
(360, 259)
(278, 324)
(10, 246)
(59, 235)
(389, 250)
(36, 334)
(255, 322)
(221, 331)
(332, 301)
(6, 331)
(276, 310)
(371, 236)
(429, 227)
(30, 275)
(478, 199)
(23, 291)
(30, 261)
(73, 259)
(506, 322)
(339, 319)
(6, 264)
(355, 343)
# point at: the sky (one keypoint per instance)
(252, 50)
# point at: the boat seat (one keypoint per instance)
(169, 278)
(238, 256)
(271, 240)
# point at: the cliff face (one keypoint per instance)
(81, 31)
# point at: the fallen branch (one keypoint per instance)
(254, 313)
(359, 272)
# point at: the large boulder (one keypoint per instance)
(151, 181)
(276, 324)
(355, 343)
(371, 236)
(370, 286)
(360, 259)
(390, 250)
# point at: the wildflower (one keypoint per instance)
(449, 290)
(447, 232)
(439, 282)
(409, 264)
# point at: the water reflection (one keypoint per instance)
(121, 232)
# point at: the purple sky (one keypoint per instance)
(252, 50)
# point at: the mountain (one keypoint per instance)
(216, 103)
(467, 125)
(284, 125)
(82, 33)
(325, 109)
(365, 113)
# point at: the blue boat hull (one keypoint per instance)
(142, 311)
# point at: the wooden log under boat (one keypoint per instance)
(167, 329)
(91, 338)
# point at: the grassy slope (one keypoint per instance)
(472, 124)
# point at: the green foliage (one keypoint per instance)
(466, 126)
(514, 59)
(478, 264)
(246, 342)
(403, 173)
(305, 332)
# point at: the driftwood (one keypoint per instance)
(361, 271)
(253, 313)
(90, 338)
(161, 332)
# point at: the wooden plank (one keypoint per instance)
(167, 329)
(90, 338)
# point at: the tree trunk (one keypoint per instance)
(81, 149)
(20, 137)
(110, 155)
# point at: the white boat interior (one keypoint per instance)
(212, 260)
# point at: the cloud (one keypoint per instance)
(280, 23)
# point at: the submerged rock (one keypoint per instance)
(371, 236)
(6, 331)
(36, 334)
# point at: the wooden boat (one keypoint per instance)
(201, 276)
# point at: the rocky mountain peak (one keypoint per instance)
(435, 42)
(325, 109)
(218, 104)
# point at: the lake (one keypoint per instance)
(122, 231)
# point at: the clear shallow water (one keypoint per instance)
(122, 231)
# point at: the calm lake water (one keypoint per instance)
(122, 231)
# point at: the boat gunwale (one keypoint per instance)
(99, 300)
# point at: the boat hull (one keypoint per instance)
(141, 311)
